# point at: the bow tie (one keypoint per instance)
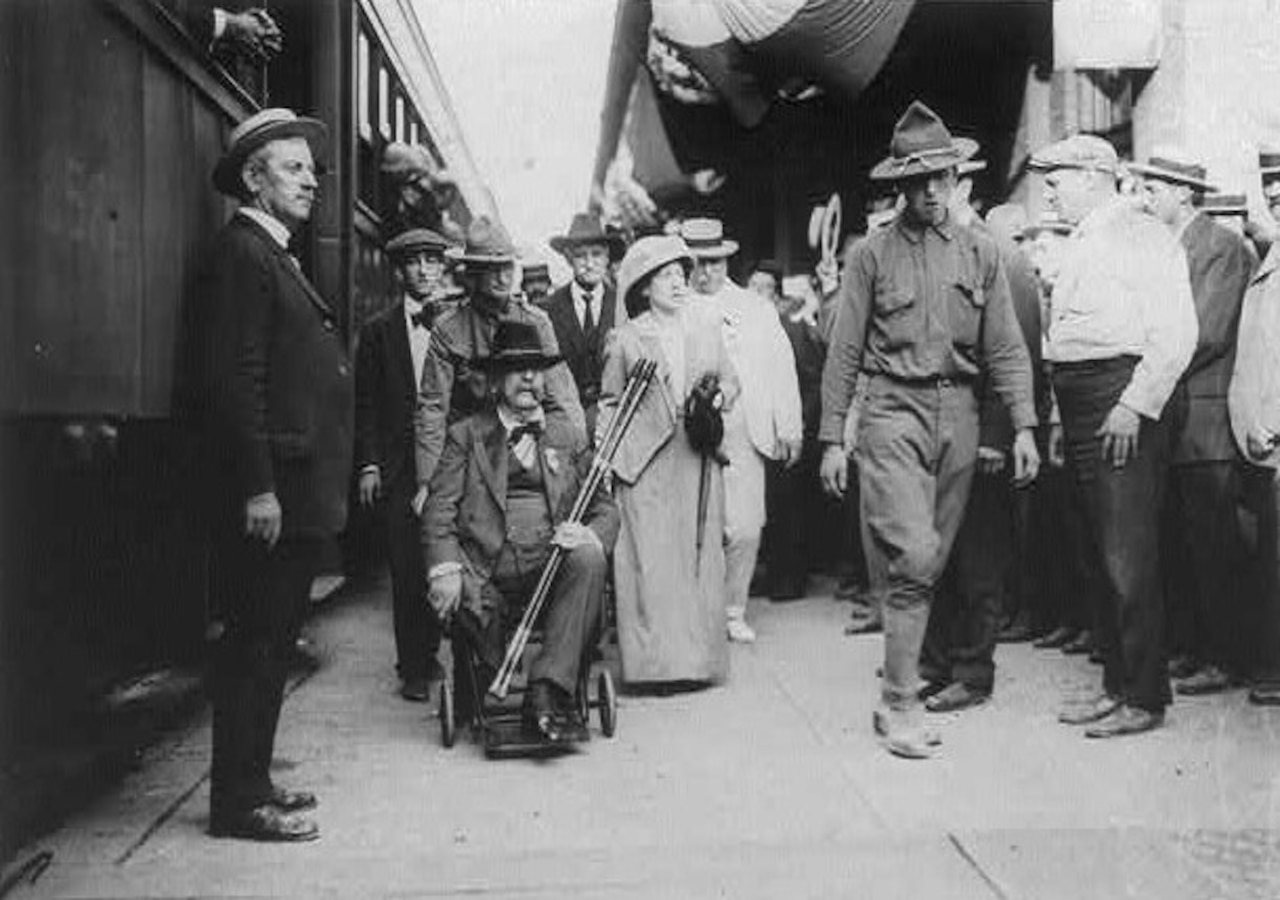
(422, 318)
(532, 429)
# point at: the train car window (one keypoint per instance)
(384, 102)
(401, 132)
(362, 86)
(413, 132)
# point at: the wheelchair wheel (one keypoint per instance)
(582, 696)
(448, 725)
(607, 700)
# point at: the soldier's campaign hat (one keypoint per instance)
(921, 144)
(1174, 165)
(705, 239)
(267, 125)
(586, 229)
(1080, 151)
(1225, 205)
(487, 245)
(646, 256)
(416, 240)
(516, 346)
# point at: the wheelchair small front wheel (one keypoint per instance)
(607, 700)
(448, 724)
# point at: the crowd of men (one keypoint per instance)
(1126, 338)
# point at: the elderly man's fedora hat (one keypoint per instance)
(586, 229)
(921, 144)
(264, 126)
(516, 346)
(487, 245)
(1174, 165)
(646, 256)
(705, 239)
(416, 240)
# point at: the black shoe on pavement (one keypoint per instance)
(1265, 693)
(1125, 721)
(264, 823)
(955, 697)
(1089, 711)
(416, 689)
(1080, 644)
(864, 624)
(1015, 633)
(1183, 666)
(291, 801)
(1055, 638)
(1209, 680)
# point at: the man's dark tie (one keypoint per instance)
(533, 429)
(588, 320)
(422, 318)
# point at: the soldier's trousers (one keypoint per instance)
(917, 444)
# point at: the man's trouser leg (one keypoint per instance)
(916, 451)
(982, 557)
(269, 593)
(1262, 494)
(573, 614)
(1124, 507)
(417, 628)
(744, 513)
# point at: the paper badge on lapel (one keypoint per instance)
(553, 460)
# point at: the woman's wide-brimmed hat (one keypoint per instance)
(586, 229)
(517, 346)
(487, 245)
(921, 144)
(267, 125)
(1173, 165)
(646, 256)
(705, 239)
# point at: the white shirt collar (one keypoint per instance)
(510, 422)
(278, 230)
(411, 306)
(581, 294)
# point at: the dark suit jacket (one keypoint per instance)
(995, 425)
(1220, 265)
(270, 386)
(584, 353)
(465, 517)
(811, 355)
(386, 395)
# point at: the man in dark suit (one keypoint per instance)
(1204, 589)
(271, 398)
(583, 311)
(498, 502)
(393, 347)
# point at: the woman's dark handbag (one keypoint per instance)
(703, 416)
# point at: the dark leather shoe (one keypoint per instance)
(880, 725)
(1125, 721)
(955, 697)
(1183, 666)
(863, 624)
(542, 713)
(1209, 680)
(264, 823)
(1082, 713)
(291, 801)
(1015, 633)
(1055, 638)
(1080, 644)
(1265, 693)
(416, 689)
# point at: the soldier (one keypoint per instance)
(925, 311)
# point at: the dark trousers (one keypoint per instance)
(416, 625)
(1261, 496)
(797, 511)
(960, 642)
(264, 596)
(1122, 509)
(1204, 588)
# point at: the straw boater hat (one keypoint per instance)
(922, 144)
(261, 128)
(487, 245)
(705, 239)
(416, 240)
(646, 256)
(517, 346)
(586, 229)
(1174, 165)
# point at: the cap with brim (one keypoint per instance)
(416, 240)
(1175, 168)
(516, 346)
(1046, 224)
(586, 229)
(646, 256)
(260, 129)
(1225, 204)
(487, 244)
(1080, 151)
(921, 144)
(705, 239)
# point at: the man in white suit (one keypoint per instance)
(765, 423)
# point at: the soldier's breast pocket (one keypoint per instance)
(966, 304)
(895, 315)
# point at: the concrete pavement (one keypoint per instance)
(771, 786)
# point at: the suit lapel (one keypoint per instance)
(571, 325)
(398, 346)
(490, 449)
(285, 261)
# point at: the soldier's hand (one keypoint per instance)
(1119, 435)
(828, 272)
(990, 461)
(1026, 459)
(1056, 447)
(419, 500)
(835, 470)
(370, 487)
(445, 593)
(263, 517)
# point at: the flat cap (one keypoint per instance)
(416, 239)
(1080, 151)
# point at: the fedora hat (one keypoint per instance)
(487, 244)
(922, 144)
(1174, 165)
(586, 229)
(415, 240)
(646, 256)
(517, 346)
(264, 126)
(705, 239)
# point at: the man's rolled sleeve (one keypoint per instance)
(848, 339)
(431, 412)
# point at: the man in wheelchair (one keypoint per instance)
(498, 502)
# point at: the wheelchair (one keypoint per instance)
(498, 724)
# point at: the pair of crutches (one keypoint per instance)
(637, 383)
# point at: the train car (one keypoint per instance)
(114, 114)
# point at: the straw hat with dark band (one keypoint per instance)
(1174, 166)
(261, 128)
(705, 239)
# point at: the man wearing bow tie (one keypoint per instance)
(506, 481)
(389, 364)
